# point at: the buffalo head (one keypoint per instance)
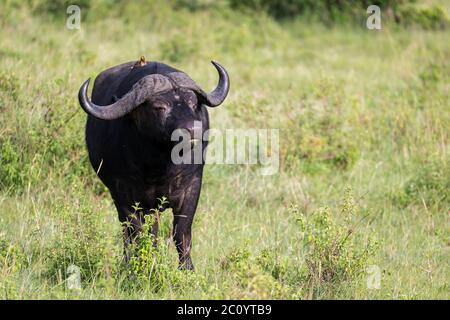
(158, 103)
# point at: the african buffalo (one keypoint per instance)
(134, 110)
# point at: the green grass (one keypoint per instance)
(359, 109)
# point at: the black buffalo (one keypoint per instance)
(134, 110)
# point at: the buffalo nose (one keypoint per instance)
(195, 130)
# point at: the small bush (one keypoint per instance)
(81, 241)
(322, 133)
(12, 257)
(326, 253)
(252, 278)
(325, 10)
(57, 8)
(152, 264)
(196, 5)
(335, 251)
(434, 73)
(430, 184)
(428, 17)
(12, 262)
(11, 172)
(284, 268)
(9, 85)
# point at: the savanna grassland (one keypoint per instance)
(364, 176)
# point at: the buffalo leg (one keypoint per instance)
(183, 241)
(131, 224)
(182, 224)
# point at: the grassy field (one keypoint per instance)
(364, 119)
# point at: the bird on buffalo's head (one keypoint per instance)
(135, 108)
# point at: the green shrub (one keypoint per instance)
(57, 8)
(326, 10)
(9, 85)
(12, 263)
(434, 73)
(152, 264)
(40, 132)
(195, 5)
(428, 17)
(12, 257)
(254, 282)
(335, 251)
(17, 171)
(83, 241)
(11, 171)
(326, 253)
(430, 184)
(322, 132)
(283, 268)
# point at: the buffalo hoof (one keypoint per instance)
(186, 265)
